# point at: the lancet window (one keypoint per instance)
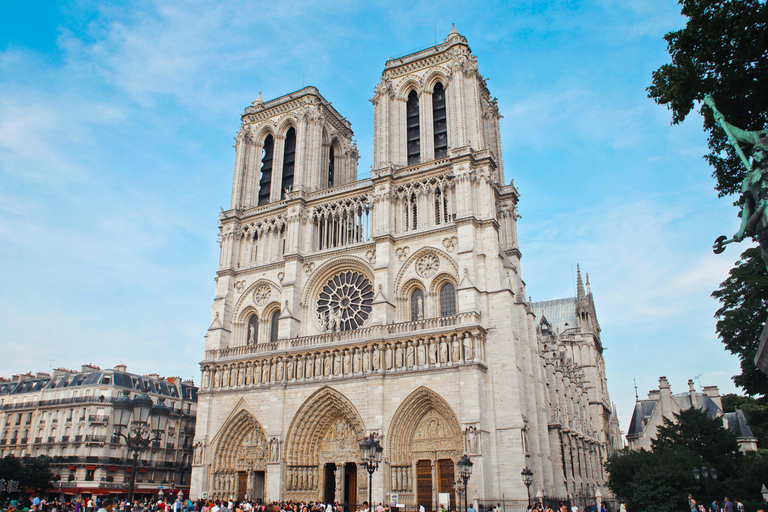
(417, 305)
(424, 204)
(265, 183)
(439, 122)
(447, 300)
(289, 160)
(412, 119)
(331, 163)
(253, 330)
(262, 242)
(273, 325)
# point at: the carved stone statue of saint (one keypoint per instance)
(409, 356)
(279, 372)
(240, 377)
(251, 335)
(468, 355)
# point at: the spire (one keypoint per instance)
(589, 292)
(453, 33)
(579, 284)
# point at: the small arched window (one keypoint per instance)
(273, 325)
(252, 337)
(417, 305)
(331, 163)
(265, 183)
(447, 300)
(439, 121)
(412, 119)
(289, 160)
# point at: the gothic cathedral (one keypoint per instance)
(391, 306)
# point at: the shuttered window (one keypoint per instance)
(440, 124)
(289, 160)
(265, 184)
(414, 143)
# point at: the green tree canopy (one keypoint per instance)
(744, 306)
(31, 472)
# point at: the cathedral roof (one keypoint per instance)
(560, 313)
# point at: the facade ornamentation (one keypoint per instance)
(379, 314)
(240, 286)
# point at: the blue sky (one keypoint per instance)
(116, 130)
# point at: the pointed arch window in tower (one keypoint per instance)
(265, 183)
(331, 163)
(289, 160)
(440, 124)
(417, 305)
(447, 300)
(412, 119)
(273, 325)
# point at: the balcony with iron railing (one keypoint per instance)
(95, 438)
(98, 418)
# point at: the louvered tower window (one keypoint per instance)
(331, 162)
(439, 119)
(289, 159)
(447, 300)
(265, 184)
(414, 144)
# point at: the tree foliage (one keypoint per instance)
(661, 479)
(723, 50)
(28, 471)
(744, 309)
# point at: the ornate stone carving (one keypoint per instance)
(471, 440)
(345, 302)
(427, 265)
(261, 294)
(450, 243)
(402, 253)
(240, 286)
(274, 450)
(309, 267)
(371, 256)
(280, 277)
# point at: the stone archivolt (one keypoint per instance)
(242, 446)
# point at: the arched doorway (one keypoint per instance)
(424, 446)
(240, 462)
(327, 470)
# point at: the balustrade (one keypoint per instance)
(340, 223)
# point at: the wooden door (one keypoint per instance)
(445, 472)
(242, 484)
(424, 484)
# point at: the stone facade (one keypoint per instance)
(67, 416)
(392, 305)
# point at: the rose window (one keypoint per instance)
(345, 302)
(261, 295)
(428, 265)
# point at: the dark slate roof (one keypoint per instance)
(558, 313)
(705, 403)
(737, 423)
(643, 411)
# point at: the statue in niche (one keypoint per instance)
(215, 378)
(419, 308)
(356, 361)
(433, 352)
(198, 457)
(251, 335)
(470, 439)
(257, 374)
(274, 450)
(468, 347)
(289, 372)
(206, 379)
(347, 362)
(299, 367)
(409, 356)
(455, 349)
(279, 372)
(337, 364)
(318, 366)
(366, 360)
(328, 364)
(265, 373)
(399, 356)
(388, 358)
(422, 354)
(375, 359)
(248, 374)
(240, 377)
(337, 320)
(443, 351)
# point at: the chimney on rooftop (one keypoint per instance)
(692, 392)
(121, 368)
(714, 393)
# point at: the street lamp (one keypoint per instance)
(527, 480)
(465, 471)
(143, 423)
(764, 492)
(370, 453)
(704, 476)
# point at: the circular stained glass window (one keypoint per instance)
(345, 302)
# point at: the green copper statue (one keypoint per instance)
(754, 188)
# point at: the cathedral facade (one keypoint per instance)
(391, 306)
